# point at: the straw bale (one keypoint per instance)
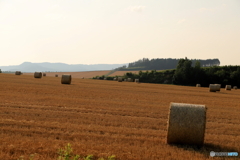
(218, 87)
(198, 85)
(114, 79)
(137, 80)
(186, 123)
(38, 75)
(213, 88)
(129, 79)
(235, 87)
(105, 78)
(44, 74)
(228, 87)
(119, 79)
(66, 79)
(18, 73)
(56, 75)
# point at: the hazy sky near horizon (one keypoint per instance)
(118, 31)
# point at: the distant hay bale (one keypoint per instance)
(198, 85)
(186, 124)
(228, 87)
(44, 74)
(213, 88)
(114, 79)
(82, 77)
(125, 80)
(119, 79)
(137, 80)
(105, 78)
(129, 79)
(235, 87)
(218, 87)
(18, 73)
(38, 75)
(66, 79)
(56, 75)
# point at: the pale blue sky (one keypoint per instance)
(118, 31)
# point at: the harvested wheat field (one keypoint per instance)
(87, 74)
(105, 118)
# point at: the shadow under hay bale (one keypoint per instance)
(186, 124)
(228, 87)
(38, 75)
(18, 73)
(66, 79)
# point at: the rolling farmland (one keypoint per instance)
(105, 118)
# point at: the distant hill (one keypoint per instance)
(163, 64)
(58, 67)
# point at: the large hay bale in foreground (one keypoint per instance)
(56, 75)
(213, 88)
(218, 87)
(119, 79)
(186, 124)
(228, 87)
(198, 85)
(137, 80)
(18, 73)
(66, 79)
(38, 75)
(44, 74)
(235, 87)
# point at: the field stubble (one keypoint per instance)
(104, 118)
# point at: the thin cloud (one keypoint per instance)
(181, 21)
(137, 8)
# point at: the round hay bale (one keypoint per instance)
(235, 87)
(198, 85)
(137, 80)
(114, 79)
(218, 87)
(66, 79)
(56, 75)
(213, 88)
(129, 79)
(186, 123)
(119, 79)
(228, 87)
(44, 74)
(82, 77)
(18, 73)
(38, 75)
(105, 78)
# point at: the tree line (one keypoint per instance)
(163, 64)
(188, 74)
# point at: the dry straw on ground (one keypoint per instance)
(38, 75)
(213, 88)
(56, 75)
(66, 79)
(18, 73)
(119, 79)
(228, 87)
(186, 123)
(218, 87)
(198, 85)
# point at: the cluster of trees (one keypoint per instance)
(188, 74)
(163, 64)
